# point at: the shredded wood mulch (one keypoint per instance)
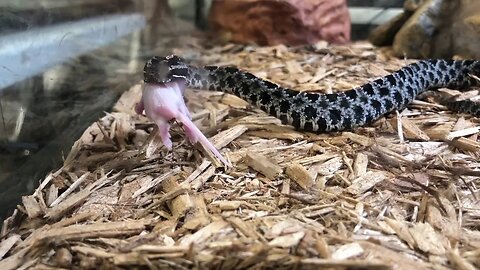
(402, 193)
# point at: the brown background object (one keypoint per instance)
(433, 29)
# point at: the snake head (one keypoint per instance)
(163, 103)
(165, 69)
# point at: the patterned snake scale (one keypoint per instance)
(325, 112)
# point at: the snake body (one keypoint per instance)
(325, 112)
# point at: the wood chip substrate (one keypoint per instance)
(401, 193)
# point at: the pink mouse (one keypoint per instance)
(162, 104)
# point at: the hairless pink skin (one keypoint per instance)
(163, 103)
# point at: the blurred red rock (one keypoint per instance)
(290, 22)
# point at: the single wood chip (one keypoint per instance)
(228, 205)
(328, 167)
(82, 231)
(71, 202)
(161, 249)
(347, 251)
(70, 189)
(263, 165)
(300, 175)
(8, 243)
(462, 133)
(285, 191)
(31, 206)
(316, 159)
(52, 194)
(180, 204)
(322, 248)
(365, 182)
(200, 237)
(225, 137)
(427, 239)
(287, 241)
(245, 228)
(360, 165)
(466, 144)
(356, 138)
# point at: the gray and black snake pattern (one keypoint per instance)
(325, 112)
